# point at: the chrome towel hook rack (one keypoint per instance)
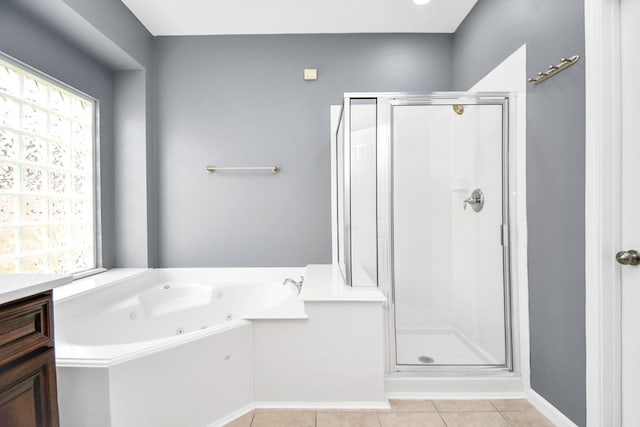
(554, 69)
(273, 169)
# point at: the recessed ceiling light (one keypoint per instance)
(421, 2)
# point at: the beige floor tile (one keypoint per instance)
(412, 405)
(513, 405)
(474, 419)
(527, 419)
(410, 419)
(284, 419)
(243, 421)
(464, 406)
(347, 419)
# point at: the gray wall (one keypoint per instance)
(29, 41)
(130, 157)
(555, 177)
(116, 22)
(107, 31)
(135, 157)
(241, 100)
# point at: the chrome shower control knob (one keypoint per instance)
(630, 257)
(476, 200)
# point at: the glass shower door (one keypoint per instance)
(449, 213)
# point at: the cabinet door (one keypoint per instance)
(28, 393)
(25, 327)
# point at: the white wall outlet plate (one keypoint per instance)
(310, 74)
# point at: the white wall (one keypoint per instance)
(477, 251)
(511, 76)
(422, 216)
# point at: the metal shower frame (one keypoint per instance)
(385, 102)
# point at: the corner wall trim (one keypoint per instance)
(548, 410)
(602, 218)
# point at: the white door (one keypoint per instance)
(630, 230)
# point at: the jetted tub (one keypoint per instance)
(163, 347)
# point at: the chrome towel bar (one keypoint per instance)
(212, 169)
(554, 69)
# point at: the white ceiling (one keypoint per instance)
(200, 17)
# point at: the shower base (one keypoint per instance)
(444, 346)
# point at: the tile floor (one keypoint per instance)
(406, 413)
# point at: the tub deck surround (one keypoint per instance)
(122, 314)
(106, 278)
(164, 347)
(334, 359)
(324, 282)
(16, 286)
(191, 384)
(270, 343)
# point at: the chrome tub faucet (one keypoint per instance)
(297, 284)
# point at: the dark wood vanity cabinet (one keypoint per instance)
(28, 396)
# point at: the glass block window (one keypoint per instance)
(47, 205)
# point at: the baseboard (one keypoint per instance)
(548, 410)
(454, 396)
(322, 405)
(453, 387)
(234, 415)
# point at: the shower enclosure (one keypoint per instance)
(423, 213)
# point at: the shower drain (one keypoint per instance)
(426, 359)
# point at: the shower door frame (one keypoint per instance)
(384, 110)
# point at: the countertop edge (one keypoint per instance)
(20, 286)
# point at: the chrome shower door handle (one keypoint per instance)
(630, 257)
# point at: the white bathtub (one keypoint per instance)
(163, 347)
